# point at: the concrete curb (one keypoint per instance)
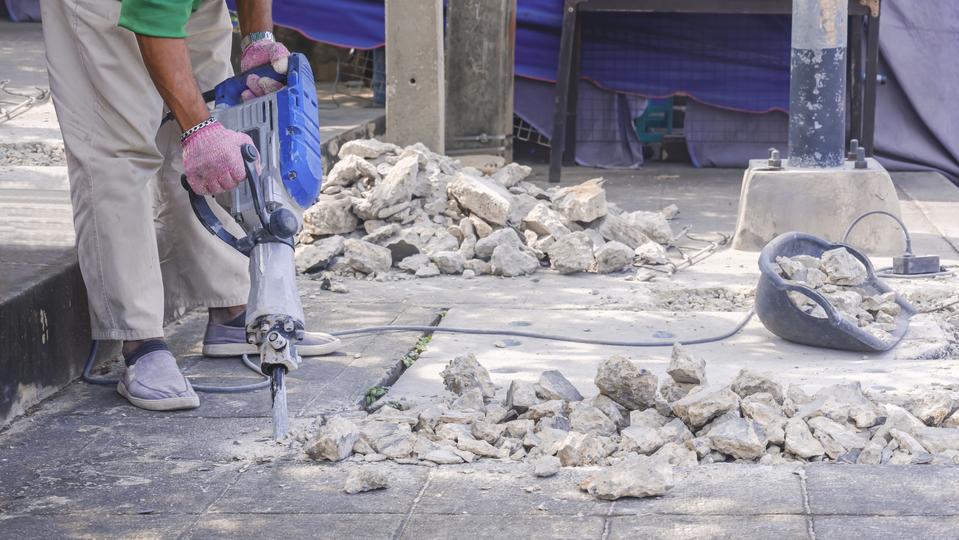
(45, 329)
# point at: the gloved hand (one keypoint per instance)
(258, 54)
(212, 160)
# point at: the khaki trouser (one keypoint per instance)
(142, 251)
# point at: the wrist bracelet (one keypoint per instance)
(253, 37)
(196, 128)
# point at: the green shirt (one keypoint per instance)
(157, 18)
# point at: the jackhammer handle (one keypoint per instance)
(210, 221)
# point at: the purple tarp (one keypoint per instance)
(727, 62)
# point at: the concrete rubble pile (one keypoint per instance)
(392, 211)
(839, 277)
(638, 429)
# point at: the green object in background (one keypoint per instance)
(656, 121)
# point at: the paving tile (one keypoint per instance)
(885, 527)
(495, 489)
(725, 489)
(95, 525)
(218, 440)
(426, 526)
(315, 488)
(121, 487)
(318, 526)
(668, 526)
(882, 490)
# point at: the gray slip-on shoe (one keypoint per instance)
(155, 383)
(223, 340)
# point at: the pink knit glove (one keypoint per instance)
(212, 160)
(258, 54)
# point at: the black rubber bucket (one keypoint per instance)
(781, 317)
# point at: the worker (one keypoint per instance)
(143, 255)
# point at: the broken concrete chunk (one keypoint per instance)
(648, 418)
(672, 391)
(767, 414)
(800, 441)
(588, 419)
(414, 262)
(478, 267)
(330, 215)
(837, 439)
(545, 221)
(651, 224)
(738, 437)
(641, 439)
(938, 440)
(395, 188)
(444, 455)
(472, 399)
(571, 253)
(613, 257)
(553, 385)
(465, 373)
(670, 211)
(482, 196)
(449, 262)
(651, 252)
(842, 268)
(348, 170)
(585, 202)
(366, 257)
(843, 402)
(932, 407)
(791, 269)
(488, 432)
(626, 383)
(614, 227)
(318, 255)
(616, 412)
(518, 428)
(748, 383)
(698, 408)
(685, 367)
(363, 479)
(521, 396)
(580, 449)
(545, 466)
(635, 476)
(511, 174)
(335, 440)
(871, 454)
(509, 261)
(367, 148)
(486, 245)
(480, 448)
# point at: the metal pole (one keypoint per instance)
(817, 86)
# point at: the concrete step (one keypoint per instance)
(44, 325)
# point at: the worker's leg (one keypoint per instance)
(198, 268)
(109, 112)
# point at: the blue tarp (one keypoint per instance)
(726, 61)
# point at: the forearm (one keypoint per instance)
(168, 62)
(255, 15)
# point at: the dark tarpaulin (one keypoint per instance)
(917, 123)
(729, 63)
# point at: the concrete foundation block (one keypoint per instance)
(821, 202)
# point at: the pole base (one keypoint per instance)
(821, 202)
